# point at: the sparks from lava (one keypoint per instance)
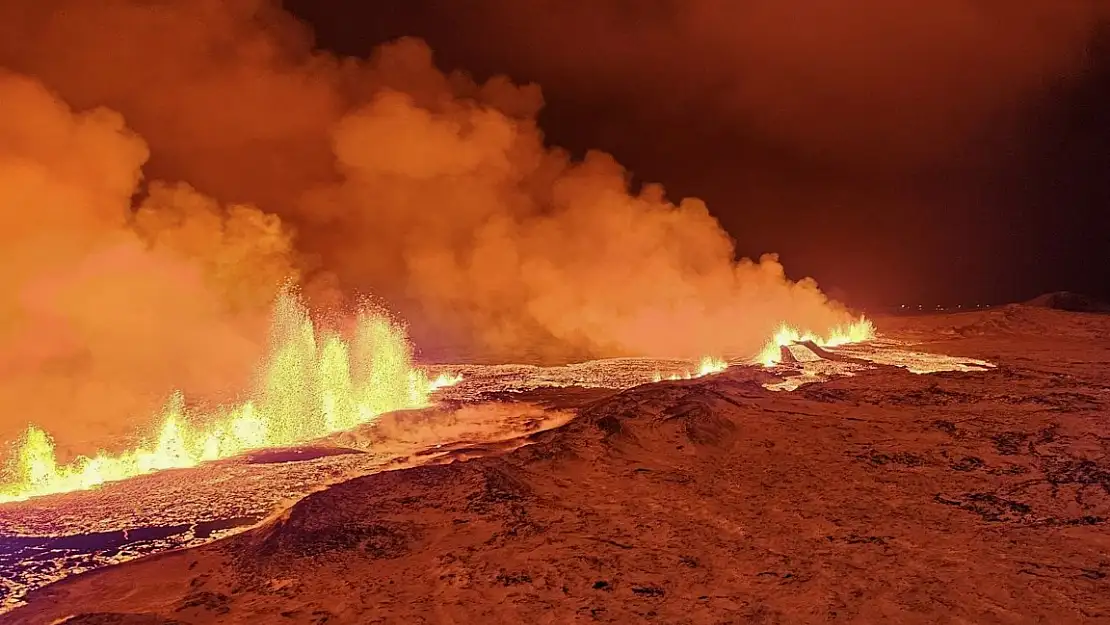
(313, 383)
(856, 332)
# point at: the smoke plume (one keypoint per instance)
(104, 309)
(429, 190)
(167, 164)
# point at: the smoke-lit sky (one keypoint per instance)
(167, 165)
(898, 151)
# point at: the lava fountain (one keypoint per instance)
(312, 383)
(856, 332)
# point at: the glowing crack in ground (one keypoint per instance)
(851, 359)
(46, 539)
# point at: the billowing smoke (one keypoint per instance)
(459, 214)
(428, 190)
(104, 309)
(124, 277)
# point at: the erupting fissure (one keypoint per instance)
(856, 332)
(312, 383)
(707, 366)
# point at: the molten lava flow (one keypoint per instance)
(313, 383)
(444, 380)
(707, 366)
(856, 332)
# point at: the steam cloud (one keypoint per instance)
(106, 307)
(167, 164)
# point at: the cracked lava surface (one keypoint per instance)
(1004, 438)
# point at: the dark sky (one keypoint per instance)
(891, 163)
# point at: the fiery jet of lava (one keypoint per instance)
(313, 383)
(856, 332)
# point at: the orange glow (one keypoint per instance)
(707, 366)
(856, 332)
(445, 380)
(313, 383)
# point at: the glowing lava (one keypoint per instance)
(312, 383)
(444, 380)
(857, 332)
(707, 366)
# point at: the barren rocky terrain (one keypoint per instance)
(885, 496)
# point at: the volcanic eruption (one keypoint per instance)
(141, 262)
(311, 384)
(293, 336)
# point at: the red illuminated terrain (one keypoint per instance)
(884, 496)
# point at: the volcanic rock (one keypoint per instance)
(967, 496)
(1071, 302)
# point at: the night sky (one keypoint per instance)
(894, 176)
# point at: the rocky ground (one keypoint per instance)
(887, 496)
